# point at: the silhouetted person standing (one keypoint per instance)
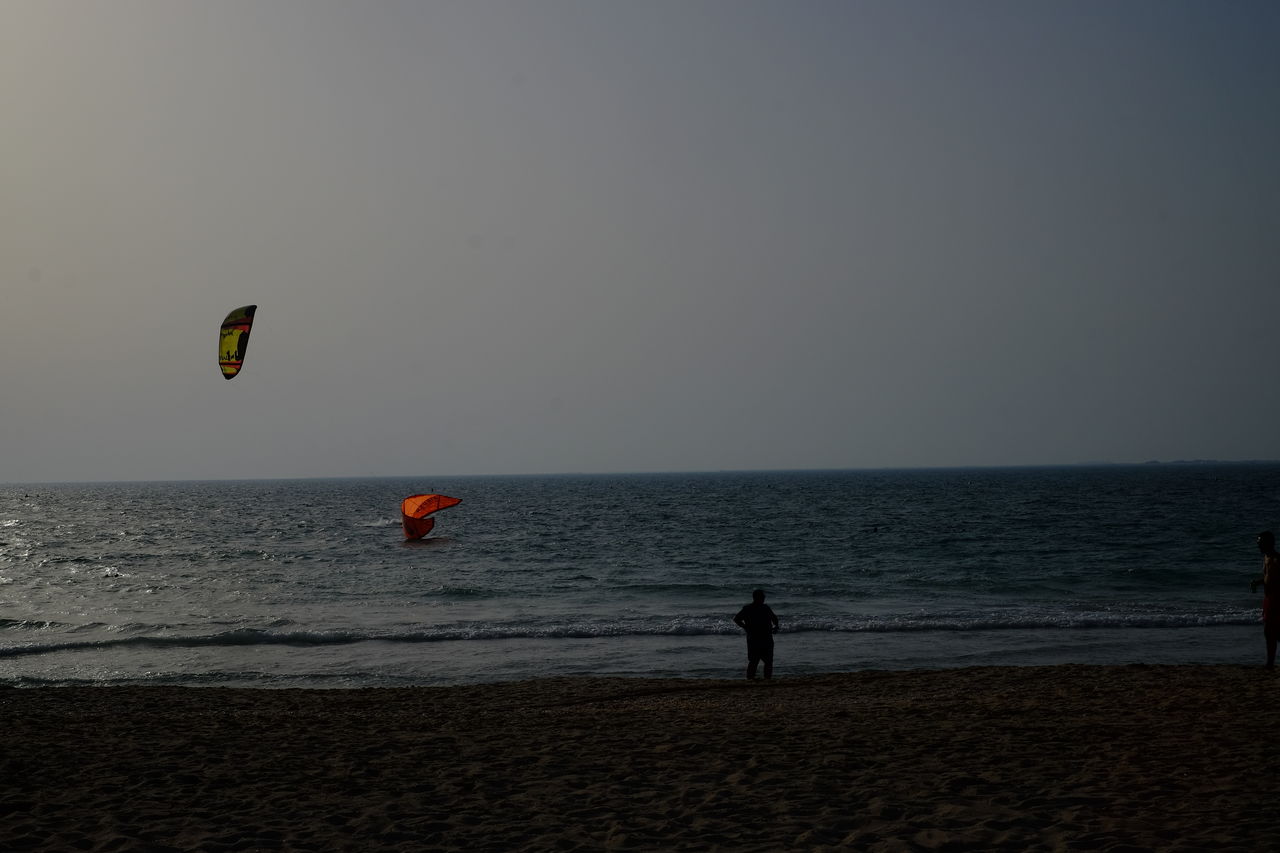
(1270, 583)
(760, 623)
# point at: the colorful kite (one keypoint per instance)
(415, 512)
(233, 338)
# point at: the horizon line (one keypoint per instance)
(659, 473)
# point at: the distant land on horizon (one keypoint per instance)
(1211, 462)
(1147, 463)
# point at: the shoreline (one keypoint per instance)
(1063, 757)
(705, 657)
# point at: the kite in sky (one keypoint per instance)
(233, 338)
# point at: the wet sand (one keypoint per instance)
(1121, 758)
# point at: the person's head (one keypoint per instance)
(758, 596)
(1267, 542)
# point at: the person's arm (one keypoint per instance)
(1271, 577)
(774, 617)
(739, 621)
(1268, 572)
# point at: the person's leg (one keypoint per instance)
(768, 663)
(751, 667)
(1272, 635)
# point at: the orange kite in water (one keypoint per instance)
(415, 512)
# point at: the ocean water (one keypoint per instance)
(309, 582)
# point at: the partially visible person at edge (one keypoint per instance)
(1270, 583)
(761, 623)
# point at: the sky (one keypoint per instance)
(545, 236)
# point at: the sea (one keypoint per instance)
(309, 583)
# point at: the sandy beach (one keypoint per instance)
(1035, 758)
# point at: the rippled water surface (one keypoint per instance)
(309, 582)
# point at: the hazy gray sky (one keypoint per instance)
(509, 236)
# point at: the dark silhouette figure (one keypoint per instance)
(1270, 583)
(760, 623)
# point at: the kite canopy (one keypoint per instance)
(416, 509)
(233, 337)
